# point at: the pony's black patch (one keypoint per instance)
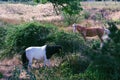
(50, 50)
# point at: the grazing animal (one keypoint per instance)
(43, 52)
(102, 33)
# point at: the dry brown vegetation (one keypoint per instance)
(7, 66)
(17, 13)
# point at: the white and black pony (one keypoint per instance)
(43, 52)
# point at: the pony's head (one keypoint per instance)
(50, 50)
(74, 27)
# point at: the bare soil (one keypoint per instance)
(7, 66)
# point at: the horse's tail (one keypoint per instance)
(24, 60)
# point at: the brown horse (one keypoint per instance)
(102, 33)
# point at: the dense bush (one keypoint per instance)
(71, 42)
(2, 36)
(74, 64)
(103, 68)
(29, 34)
(35, 34)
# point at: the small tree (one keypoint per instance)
(69, 8)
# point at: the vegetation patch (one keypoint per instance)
(1, 75)
(2, 36)
(19, 37)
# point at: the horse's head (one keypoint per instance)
(77, 27)
(74, 27)
(50, 50)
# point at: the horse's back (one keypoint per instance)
(35, 52)
(91, 32)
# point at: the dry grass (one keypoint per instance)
(15, 13)
(106, 4)
(111, 8)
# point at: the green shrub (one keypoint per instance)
(70, 10)
(86, 14)
(35, 34)
(71, 19)
(103, 68)
(29, 34)
(2, 36)
(75, 77)
(46, 73)
(74, 64)
(71, 42)
(1, 75)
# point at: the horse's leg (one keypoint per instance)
(30, 63)
(48, 62)
(45, 62)
(102, 42)
(84, 36)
